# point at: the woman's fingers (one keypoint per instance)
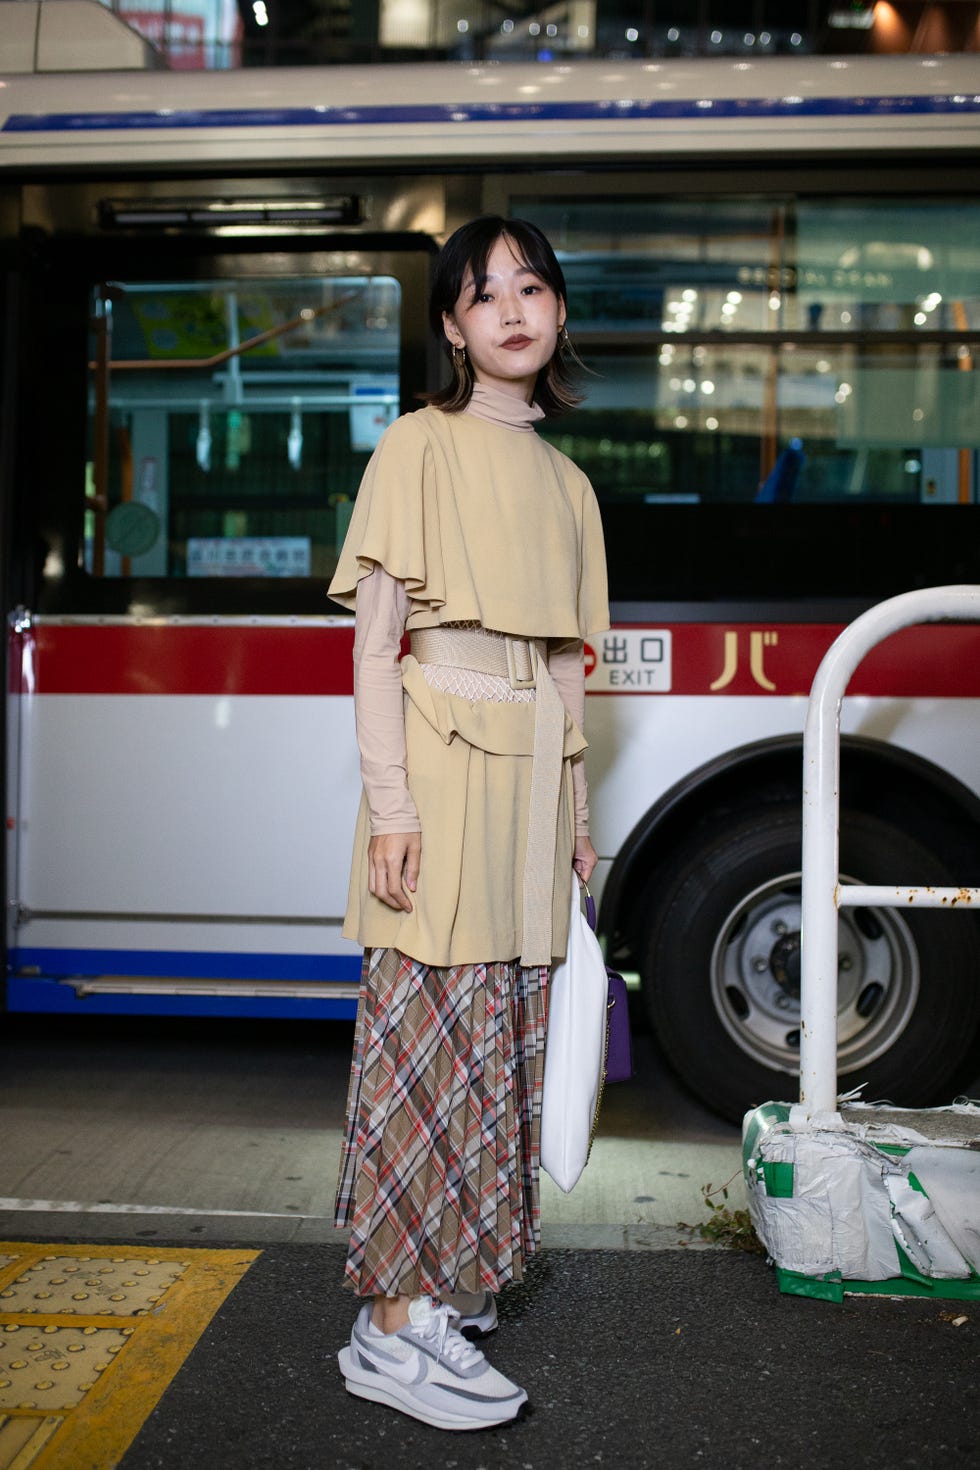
(385, 883)
(413, 859)
(584, 858)
(393, 868)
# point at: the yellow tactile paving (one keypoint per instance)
(122, 1286)
(90, 1337)
(54, 1368)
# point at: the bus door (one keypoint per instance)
(183, 777)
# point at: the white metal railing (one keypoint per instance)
(822, 890)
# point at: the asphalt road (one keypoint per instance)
(659, 1359)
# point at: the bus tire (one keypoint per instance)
(721, 968)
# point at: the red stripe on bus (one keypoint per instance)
(933, 661)
(86, 659)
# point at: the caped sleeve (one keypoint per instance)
(395, 523)
(593, 591)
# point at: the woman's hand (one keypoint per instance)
(584, 858)
(393, 867)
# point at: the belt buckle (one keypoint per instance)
(522, 654)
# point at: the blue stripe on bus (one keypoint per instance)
(486, 112)
(40, 996)
(182, 964)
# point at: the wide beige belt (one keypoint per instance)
(520, 661)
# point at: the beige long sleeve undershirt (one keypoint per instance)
(379, 623)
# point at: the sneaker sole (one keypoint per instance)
(391, 1394)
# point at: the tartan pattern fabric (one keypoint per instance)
(439, 1172)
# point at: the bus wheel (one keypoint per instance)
(722, 967)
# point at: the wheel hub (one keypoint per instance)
(785, 963)
(756, 972)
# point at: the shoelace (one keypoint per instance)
(451, 1345)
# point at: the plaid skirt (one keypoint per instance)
(439, 1173)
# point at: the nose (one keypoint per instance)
(511, 308)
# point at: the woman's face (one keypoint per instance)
(510, 330)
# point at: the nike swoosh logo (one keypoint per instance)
(410, 1370)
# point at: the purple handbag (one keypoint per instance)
(619, 1050)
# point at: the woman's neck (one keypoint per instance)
(505, 409)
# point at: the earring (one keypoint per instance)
(460, 371)
(563, 343)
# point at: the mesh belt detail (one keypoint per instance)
(470, 685)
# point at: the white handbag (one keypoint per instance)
(574, 1059)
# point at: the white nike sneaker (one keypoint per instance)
(428, 1370)
(476, 1311)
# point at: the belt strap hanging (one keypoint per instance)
(542, 827)
(519, 661)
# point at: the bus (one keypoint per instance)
(214, 296)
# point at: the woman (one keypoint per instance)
(485, 544)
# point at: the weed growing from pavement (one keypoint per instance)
(731, 1228)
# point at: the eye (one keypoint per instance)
(532, 289)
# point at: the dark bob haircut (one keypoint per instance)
(466, 253)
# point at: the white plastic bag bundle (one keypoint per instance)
(575, 1055)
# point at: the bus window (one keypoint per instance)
(772, 350)
(230, 422)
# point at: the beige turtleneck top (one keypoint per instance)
(382, 609)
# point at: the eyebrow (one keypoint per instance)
(522, 270)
